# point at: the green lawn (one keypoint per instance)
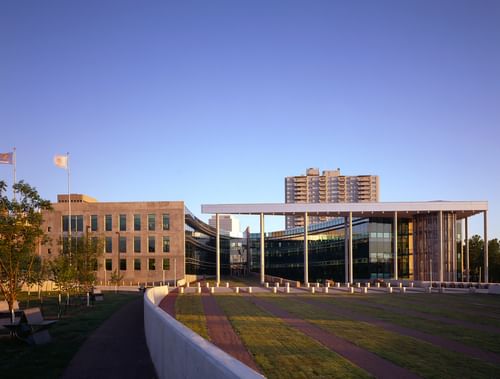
(281, 351)
(189, 311)
(19, 360)
(418, 356)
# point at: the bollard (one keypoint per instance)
(378, 285)
(365, 289)
(411, 285)
(351, 289)
(389, 289)
(312, 290)
(327, 284)
(347, 284)
(266, 284)
(402, 290)
(308, 285)
(401, 285)
(181, 289)
(198, 289)
(288, 289)
(237, 290)
(217, 284)
(227, 284)
(199, 285)
(388, 285)
(208, 284)
(212, 290)
(275, 289)
(368, 285)
(297, 284)
(326, 289)
(428, 290)
(358, 284)
(249, 289)
(337, 284)
(187, 284)
(277, 285)
(441, 290)
(166, 291)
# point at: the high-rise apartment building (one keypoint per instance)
(227, 223)
(330, 187)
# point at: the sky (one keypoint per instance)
(217, 101)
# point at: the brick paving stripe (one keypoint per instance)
(168, 303)
(372, 363)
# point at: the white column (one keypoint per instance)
(462, 250)
(395, 245)
(441, 246)
(350, 249)
(262, 261)
(485, 246)
(467, 248)
(454, 247)
(306, 250)
(217, 248)
(346, 250)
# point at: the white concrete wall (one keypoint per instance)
(178, 352)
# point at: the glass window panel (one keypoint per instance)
(123, 264)
(166, 244)
(151, 244)
(137, 264)
(123, 222)
(109, 264)
(166, 221)
(109, 245)
(108, 221)
(137, 244)
(93, 223)
(137, 222)
(166, 263)
(151, 221)
(151, 264)
(123, 244)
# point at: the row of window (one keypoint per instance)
(77, 222)
(165, 264)
(122, 244)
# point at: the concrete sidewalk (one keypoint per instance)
(117, 349)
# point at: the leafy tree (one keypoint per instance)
(20, 233)
(494, 260)
(476, 253)
(116, 278)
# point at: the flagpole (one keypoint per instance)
(14, 165)
(69, 206)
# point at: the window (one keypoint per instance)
(151, 221)
(166, 263)
(137, 223)
(137, 264)
(49, 251)
(109, 264)
(76, 223)
(108, 222)
(166, 221)
(93, 223)
(123, 223)
(151, 244)
(137, 244)
(151, 264)
(122, 247)
(49, 229)
(166, 244)
(109, 245)
(123, 264)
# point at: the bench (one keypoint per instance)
(5, 315)
(32, 327)
(98, 296)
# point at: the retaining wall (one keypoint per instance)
(178, 352)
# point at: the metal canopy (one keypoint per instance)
(386, 209)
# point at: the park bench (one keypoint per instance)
(32, 327)
(98, 296)
(5, 315)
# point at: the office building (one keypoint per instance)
(329, 187)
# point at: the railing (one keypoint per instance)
(178, 352)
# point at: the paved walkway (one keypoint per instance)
(222, 333)
(431, 338)
(168, 303)
(372, 363)
(117, 349)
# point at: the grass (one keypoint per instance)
(418, 356)
(189, 311)
(475, 338)
(20, 360)
(281, 351)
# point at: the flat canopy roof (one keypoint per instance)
(461, 208)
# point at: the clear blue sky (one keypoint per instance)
(218, 101)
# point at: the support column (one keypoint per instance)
(306, 249)
(467, 249)
(346, 250)
(395, 245)
(441, 252)
(485, 224)
(262, 241)
(350, 249)
(454, 247)
(461, 250)
(217, 248)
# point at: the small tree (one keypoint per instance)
(63, 273)
(20, 233)
(116, 278)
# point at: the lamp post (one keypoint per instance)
(175, 272)
(119, 261)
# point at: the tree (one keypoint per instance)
(494, 260)
(116, 278)
(476, 258)
(20, 233)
